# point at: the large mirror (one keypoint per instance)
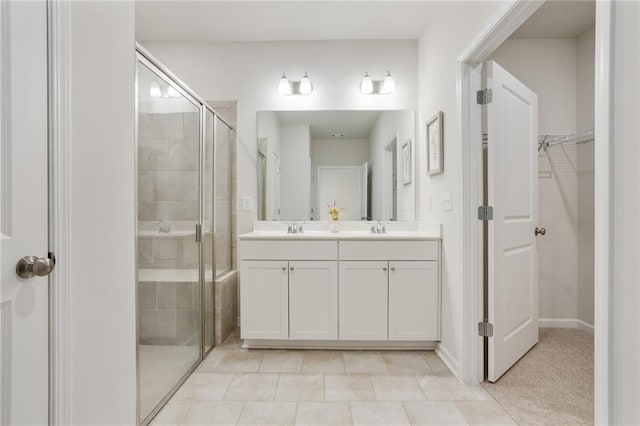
(364, 161)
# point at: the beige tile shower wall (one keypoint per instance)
(226, 306)
(228, 111)
(169, 313)
(168, 166)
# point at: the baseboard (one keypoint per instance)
(565, 323)
(447, 358)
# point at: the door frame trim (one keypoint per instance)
(470, 119)
(59, 117)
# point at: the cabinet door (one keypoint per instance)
(264, 299)
(414, 301)
(313, 300)
(363, 300)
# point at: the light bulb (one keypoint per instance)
(305, 85)
(284, 88)
(389, 85)
(154, 90)
(173, 93)
(366, 86)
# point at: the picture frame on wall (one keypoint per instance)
(406, 162)
(435, 145)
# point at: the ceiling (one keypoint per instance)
(207, 21)
(352, 124)
(559, 19)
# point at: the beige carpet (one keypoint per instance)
(553, 383)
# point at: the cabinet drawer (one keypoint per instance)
(288, 250)
(389, 250)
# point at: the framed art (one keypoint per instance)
(435, 145)
(406, 162)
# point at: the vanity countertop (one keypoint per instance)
(341, 235)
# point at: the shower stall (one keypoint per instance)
(177, 136)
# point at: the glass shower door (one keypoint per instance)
(208, 226)
(169, 292)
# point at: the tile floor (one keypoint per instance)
(286, 387)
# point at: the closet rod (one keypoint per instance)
(553, 140)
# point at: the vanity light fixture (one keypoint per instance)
(368, 86)
(305, 85)
(302, 87)
(284, 88)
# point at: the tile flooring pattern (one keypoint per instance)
(286, 387)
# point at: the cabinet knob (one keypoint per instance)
(393, 268)
(284, 268)
(384, 269)
(291, 269)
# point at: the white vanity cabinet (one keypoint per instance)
(413, 300)
(339, 291)
(264, 299)
(288, 290)
(313, 300)
(363, 300)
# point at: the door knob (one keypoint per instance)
(33, 266)
(541, 231)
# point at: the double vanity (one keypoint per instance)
(354, 288)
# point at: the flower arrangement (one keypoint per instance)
(335, 212)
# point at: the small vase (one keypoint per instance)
(334, 226)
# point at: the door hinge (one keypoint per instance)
(198, 232)
(485, 329)
(485, 213)
(484, 96)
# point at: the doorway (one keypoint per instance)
(563, 172)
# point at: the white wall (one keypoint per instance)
(388, 126)
(548, 67)
(339, 152)
(250, 72)
(103, 321)
(439, 49)
(295, 175)
(625, 250)
(585, 105)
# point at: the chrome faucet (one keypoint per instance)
(293, 228)
(379, 228)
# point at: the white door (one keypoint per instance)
(342, 185)
(512, 119)
(363, 292)
(414, 301)
(23, 213)
(313, 300)
(264, 299)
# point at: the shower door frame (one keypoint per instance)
(145, 58)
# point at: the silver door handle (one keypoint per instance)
(540, 231)
(32, 266)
